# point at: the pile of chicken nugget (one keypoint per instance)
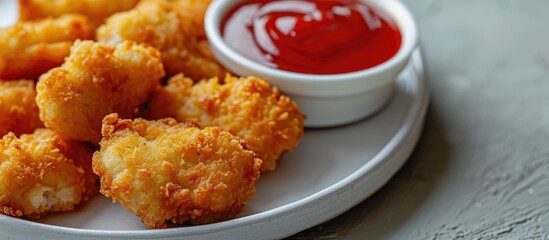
(124, 98)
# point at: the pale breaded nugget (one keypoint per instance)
(193, 11)
(171, 29)
(94, 81)
(18, 110)
(162, 170)
(29, 49)
(42, 173)
(268, 122)
(96, 10)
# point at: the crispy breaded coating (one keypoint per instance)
(95, 80)
(163, 170)
(96, 10)
(268, 122)
(42, 173)
(18, 110)
(193, 11)
(172, 29)
(29, 49)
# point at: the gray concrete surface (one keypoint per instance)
(481, 169)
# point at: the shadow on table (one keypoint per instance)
(395, 204)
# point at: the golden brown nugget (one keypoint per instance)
(193, 11)
(29, 49)
(42, 173)
(97, 80)
(18, 110)
(163, 170)
(96, 10)
(268, 122)
(170, 28)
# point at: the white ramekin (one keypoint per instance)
(327, 100)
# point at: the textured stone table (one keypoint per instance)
(481, 169)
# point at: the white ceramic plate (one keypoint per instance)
(331, 171)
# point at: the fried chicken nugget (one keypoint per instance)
(96, 10)
(18, 110)
(29, 49)
(42, 173)
(193, 11)
(164, 170)
(170, 28)
(268, 122)
(96, 80)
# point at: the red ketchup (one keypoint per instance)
(312, 36)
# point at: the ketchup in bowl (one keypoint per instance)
(312, 36)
